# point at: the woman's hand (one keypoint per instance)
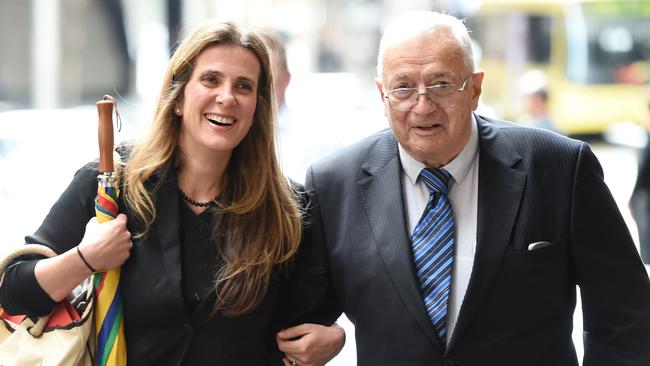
(310, 344)
(104, 246)
(108, 245)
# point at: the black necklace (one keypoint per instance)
(192, 202)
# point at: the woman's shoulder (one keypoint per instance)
(299, 192)
(125, 149)
(91, 168)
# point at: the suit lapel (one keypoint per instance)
(500, 189)
(384, 207)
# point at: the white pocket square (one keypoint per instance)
(538, 245)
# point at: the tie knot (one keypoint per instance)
(436, 180)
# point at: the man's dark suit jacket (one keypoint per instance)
(518, 310)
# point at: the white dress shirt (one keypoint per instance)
(463, 195)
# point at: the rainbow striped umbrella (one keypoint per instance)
(109, 320)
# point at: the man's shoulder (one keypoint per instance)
(354, 155)
(524, 138)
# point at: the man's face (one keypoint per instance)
(435, 131)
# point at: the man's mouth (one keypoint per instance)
(428, 127)
(220, 120)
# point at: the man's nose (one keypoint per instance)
(424, 104)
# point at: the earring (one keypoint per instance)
(178, 111)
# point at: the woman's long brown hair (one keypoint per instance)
(258, 224)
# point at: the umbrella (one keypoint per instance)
(109, 321)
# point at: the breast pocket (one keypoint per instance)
(548, 256)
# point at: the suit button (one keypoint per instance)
(189, 329)
(448, 362)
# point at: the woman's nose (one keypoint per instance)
(225, 97)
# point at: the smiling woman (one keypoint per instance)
(219, 101)
(215, 226)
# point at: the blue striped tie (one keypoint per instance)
(433, 248)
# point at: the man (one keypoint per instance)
(475, 259)
(640, 200)
(310, 344)
(534, 89)
(294, 151)
(280, 68)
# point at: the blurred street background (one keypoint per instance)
(580, 68)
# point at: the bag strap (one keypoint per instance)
(22, 250)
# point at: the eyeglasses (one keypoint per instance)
(404, 99)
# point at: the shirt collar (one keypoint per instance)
(458, 167)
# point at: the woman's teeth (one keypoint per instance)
(219, 120)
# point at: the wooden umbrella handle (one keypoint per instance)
(106, 140)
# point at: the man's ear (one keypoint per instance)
(380, 87)
(477, 82)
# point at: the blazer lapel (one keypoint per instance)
(500, 187)
(384, 206)
(168, 229)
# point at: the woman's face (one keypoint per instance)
(219, 100)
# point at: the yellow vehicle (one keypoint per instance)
(595, 54)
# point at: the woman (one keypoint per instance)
(214, 222)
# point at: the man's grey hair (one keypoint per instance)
(415, 23)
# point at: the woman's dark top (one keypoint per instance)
(197, 247)
(166, 284)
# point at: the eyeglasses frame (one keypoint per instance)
(426, 89)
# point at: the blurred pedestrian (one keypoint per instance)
(535, 89)
(281, 74)
(306, 337)
(296, 152)
(640, 199)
